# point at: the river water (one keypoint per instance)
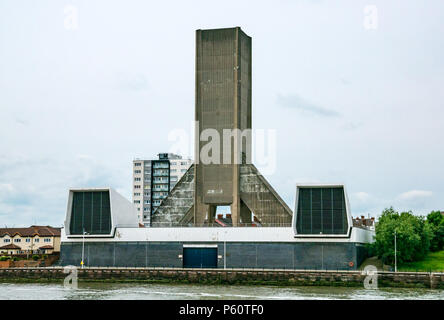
(121, 291)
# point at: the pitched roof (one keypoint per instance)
(10, 246)
(43, 231)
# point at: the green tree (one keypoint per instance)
(436, 221)
(413, 236)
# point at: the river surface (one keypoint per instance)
(121, 291)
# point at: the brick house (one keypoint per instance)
(31, 240)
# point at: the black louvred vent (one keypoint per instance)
(321, 211)
(90, 212)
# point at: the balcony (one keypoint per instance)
(160, 165)
(163, 173)
(161, 189)
(161, 181)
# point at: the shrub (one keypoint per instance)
(413, 236)
(436, 221)
(4, 258)
(35, 257)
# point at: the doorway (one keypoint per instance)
(200, 257)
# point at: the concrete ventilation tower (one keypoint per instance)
(223, 104)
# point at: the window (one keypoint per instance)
(28, 240)
(147, 201)
(137, 186)
(17, 240)
(36, 240)
(183, 163)
(137, 171)
(136, 201)
(137, 164)
(136, 179)
(47, 240)
(136, 194)
(183, 170)
(147, 194)
(6, 240)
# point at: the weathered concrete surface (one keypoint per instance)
(223, 102)
(174, 208)
(262, 199)
(256, 194)
(228, 276)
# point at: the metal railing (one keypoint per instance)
(214, 225)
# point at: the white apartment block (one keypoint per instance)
(153, 180)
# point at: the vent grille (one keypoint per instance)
(90, 212)
(321, 211)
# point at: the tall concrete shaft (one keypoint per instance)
(223, 101)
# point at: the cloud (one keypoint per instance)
(415, 200)
(363, 203)
(22, 121)
(299, 103)
(6, 187)
(345, 82)
(131, 82)
(415, 194)
(36, 193)
(361, 196)
(352, 125)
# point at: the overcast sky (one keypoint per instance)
(81, 97)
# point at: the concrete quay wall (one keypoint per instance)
(226, 276)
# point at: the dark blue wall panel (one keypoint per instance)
(307, 255)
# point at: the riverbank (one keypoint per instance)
(432, 261)
(226, 277)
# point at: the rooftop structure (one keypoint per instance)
(319, 235)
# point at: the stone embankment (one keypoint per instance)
(227, 276)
